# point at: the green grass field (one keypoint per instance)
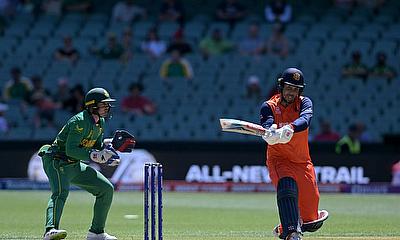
(201, 216)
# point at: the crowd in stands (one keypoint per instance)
(122, 46)
(356, 68)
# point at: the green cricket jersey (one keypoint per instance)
(78, 136)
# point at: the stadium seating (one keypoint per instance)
(321, 43)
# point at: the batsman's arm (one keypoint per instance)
(266, 116)
(306, 113)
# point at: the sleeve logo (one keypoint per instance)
(78, 129)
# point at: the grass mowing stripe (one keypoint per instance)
(201, 216)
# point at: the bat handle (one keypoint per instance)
(269, 132)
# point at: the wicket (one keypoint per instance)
(150, 183)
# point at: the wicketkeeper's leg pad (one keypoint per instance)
(287, 197)
(316, 224)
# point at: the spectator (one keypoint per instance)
(230, 11)
(253, 88)
(153, 46)
(355, 68)
(215, 45)
(278, 11)
(381, 69)
(127, 45)
(396, 174)
(137, 104)
(62, 93)
(52, 7)
(79, 6)
(18, 88)
(179, 43)
(76, 100)
(176, 66)
(113, 50)
(365, 137)
(252, 44)
(127, 12)
(278, 44)
(67, 52)
(326, 134)
(350, 142)
(3, 121)
(41, 99)
(37, 89)
(172, 10)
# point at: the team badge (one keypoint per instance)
(296, 76)
(79, 129)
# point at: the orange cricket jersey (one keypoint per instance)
(297, 149)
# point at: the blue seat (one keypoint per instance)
(318, 32)
(194, 30)
(18, 133)
(41, 30)
(344, 32)
(223, 27)
(16, 30)
(141, 28)
(45, 133)
(92, 30)
(167, 29)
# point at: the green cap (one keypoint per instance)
(97, 95)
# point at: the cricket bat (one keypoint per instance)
(243, 127)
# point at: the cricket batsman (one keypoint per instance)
(79, 140)
(288, 115)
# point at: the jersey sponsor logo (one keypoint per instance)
(87, 143)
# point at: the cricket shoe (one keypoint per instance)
(277, 232)
(55, 234)
(307, 226)
(294, 236)
(316, 224)
(100, 236)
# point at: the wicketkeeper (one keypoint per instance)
(81, 138)
(288, 116)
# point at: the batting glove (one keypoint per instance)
(270, 135)
(103, 156)
(285, 134)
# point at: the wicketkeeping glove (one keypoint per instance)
(123, 141)
(104, 156)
